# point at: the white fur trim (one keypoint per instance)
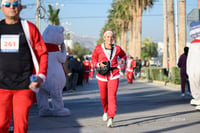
(102, 79)
(42, 76)
(27, 35)
(115, 77)
(111, 78)
(3, 1)
(104, 50)
(108, 31)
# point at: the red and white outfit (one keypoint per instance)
(87, 66)
(122, 67)
(91, 73)
(20, 101)
(38, 49)
(131, 64)
(108, 84)
(193, 69)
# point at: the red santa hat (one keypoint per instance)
(3, 1)
(108, 31)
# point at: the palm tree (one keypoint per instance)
(172, 46)
(138, 29)
(121, 15)
(137, 9)
(132, 27)
(53, 15)
(127, 16)
(182, 26)
(165, 35)
(149, 49)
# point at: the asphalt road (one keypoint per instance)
(142, 107)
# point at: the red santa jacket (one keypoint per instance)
(99, 54)
(37, 47)
(131, 64)
(87, 65)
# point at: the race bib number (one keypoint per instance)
(9, 43)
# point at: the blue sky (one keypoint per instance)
(87, 17)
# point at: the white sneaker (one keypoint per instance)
(109, 123)
(188, 93)
(195, 102)
(183, 94)
(197, 107)
(105, 117)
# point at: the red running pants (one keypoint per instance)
(108, 91)
(129, 76)
(17, 102)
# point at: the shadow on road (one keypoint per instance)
(139, 97)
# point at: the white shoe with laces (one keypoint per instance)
(183, 94)
(109, 123)
(105, 117)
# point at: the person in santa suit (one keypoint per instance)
(122, 67)
(87, 67)
(193, 69)
(131, 64)
(91, 73)
(108, 82)
(25, 55)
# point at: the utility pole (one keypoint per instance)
(176, 23)
(38, 14)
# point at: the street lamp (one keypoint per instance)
(57, 5)
(66, 24)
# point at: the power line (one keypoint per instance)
(99, 17)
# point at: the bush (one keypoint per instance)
(175, 76)
(161, 74)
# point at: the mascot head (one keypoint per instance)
(53, 34)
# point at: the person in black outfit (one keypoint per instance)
(74, 68)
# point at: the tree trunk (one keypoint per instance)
(130, 43)
(138, 30)
(123, 38)
(165, 35)
(172, 46)
(118, 40)
(134, 34)
(182, 27)
(139, 33)
(198, 4)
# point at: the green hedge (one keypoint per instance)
(175, 76)
(161, 74)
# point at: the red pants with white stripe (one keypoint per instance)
(108, 91)
(17, 102)
(91, 74)
(129, 76)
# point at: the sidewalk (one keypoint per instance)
(142, 108)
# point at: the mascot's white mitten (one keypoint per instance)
(193, 69)
(54, 38)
